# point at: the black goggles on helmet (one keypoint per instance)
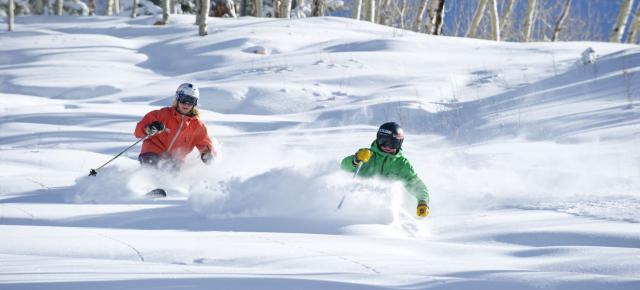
(187, 99)
(389, 142)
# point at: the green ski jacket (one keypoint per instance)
(392, 166)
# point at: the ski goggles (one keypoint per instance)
(187, 100)
(389, 142)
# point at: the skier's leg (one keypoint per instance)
(149, 158)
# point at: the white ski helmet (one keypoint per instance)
(187, 93)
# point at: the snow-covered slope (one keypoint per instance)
(532, 158)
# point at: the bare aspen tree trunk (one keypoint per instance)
(621, 23)
(398, 12)
(38, 7)
(495, 20)
(277, 8)
(91, 4)
(173, 7)
(318, 7)
(48, 8)
(431, 13)
(286, 9)
(477, 18)
(205, 6)
(528, 20)
(59, 6)
(370, 10)
(438, 18)
(633, 32)
(197, 8)
(563, 17)
(418, 22)
(258, 6)
(134, 9)
(165, 11)
(384, 14)
(357, 9)
(109, 7)
(507, 15)
(116, 6)
(11, 15)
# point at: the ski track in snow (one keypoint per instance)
(323, 253)
(138, 253)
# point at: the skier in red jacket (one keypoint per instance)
(174, 132)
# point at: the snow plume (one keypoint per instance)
(590, 179)
(310, 193)
(119, 183)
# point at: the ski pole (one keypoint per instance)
(354, 176)
(94, 172)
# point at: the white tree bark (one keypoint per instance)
(495, 20)
(477, 18)
(432, 11)
(398, 13)
(165, 11)
(196, 8)
(438, 18)
(386, 13)
(91, 4)
(11, 15)
(633, 33)
(109, 8)
(357, 9)
(417, 23)
(205, 6)
(318, 7)
(563, 17)
(258, 7)
(59, 6)
(370, 10)
(286, 9)
(507, 15)
(528, 21)
(621, 22)
(116, 6)
(134, 9)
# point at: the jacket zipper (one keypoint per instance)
(174, 137)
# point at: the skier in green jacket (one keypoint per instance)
(385, 159)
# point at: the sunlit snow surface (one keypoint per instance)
(532, 159)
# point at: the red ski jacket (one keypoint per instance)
(181, 134)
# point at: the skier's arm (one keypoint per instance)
(146, 120)
(414, 184)
(362, 156)
(347, 164)
(204, 143)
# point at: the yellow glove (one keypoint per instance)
(423, 209)
(363, 155)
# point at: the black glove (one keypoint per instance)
(154, 127)
(207, 157)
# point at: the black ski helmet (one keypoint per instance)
(391, 135)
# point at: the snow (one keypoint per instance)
(532, 158)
